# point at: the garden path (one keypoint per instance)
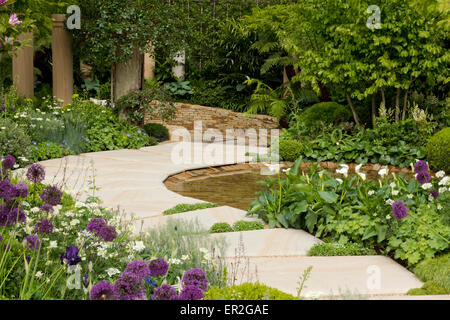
(133, 181)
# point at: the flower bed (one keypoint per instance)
(406, 219)
(55, 247)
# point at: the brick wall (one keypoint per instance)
(214, 118)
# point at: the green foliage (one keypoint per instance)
(189, 207)
(247, 291)
(179, 89)
(438, 150)
(49, 150)
(14, 141)
(339, 249)
(113, 28)
(290, 150)
(243, 225)
(135, 104)
(327, 112)
(220, 227)
(435, 269)
(428, 288)
(157, 131)
(358, 210)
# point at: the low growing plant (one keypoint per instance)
(179, 208)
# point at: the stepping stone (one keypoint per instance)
(334, 276)
(268, 242)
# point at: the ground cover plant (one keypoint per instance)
(241, 225)
(405, 219)
(185, 207)
(339, 249)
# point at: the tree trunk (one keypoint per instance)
(383, 97)
(397, 105)
(374, 109)
(355, 115)
(324, 93)
(127, 76)
(405, 99)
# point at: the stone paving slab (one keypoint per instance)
(269, 242)
(334, 276)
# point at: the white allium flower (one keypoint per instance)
(112, 271)
(445, 181)
(410, 196)
(440, 174)
(138, 246)
(35, 210)
(39, 274)
(439, 207)
(371, 192)
(427, 186)
(74, 222)
(388, 217)
(393, 185)
(53, 244)
(395, 192)
(442, 189)
(389, 201)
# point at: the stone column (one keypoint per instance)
(126, 76)
(149, 66)
(22, 67)
(62, 60)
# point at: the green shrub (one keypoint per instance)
(135, 104)
(247, 291)
(438, 150)
(157, 131)
(435, 269)
(220, 227)
(428, 288)
(327, 112)
(337, 249)
(179, 208)
(49, 150)
(290, 150)
(14, 141)
(243, 225)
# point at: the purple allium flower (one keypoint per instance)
(139, 268)
(108, 233)
(22, 189)
(191, 292)
(195, 277)
(36, 173)
(51, 195)
(33, 242)
(434, 193)
(423, 177)
(7, 190)
(43, 226)
(70, 257)
(16, 215)
(95, 225)
(158, 267)
(400, 210)
(128, 287)
(4, 211)
(421, 166)
(9, 162)
(47, 208)
(102, 291)
(165, 292)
